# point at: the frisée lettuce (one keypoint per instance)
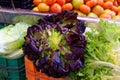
(102, 56)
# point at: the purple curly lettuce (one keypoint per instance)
(68, 55)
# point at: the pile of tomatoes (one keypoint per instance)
(109, 9)
(54, 6)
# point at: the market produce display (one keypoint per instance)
(102, 55)
(109, 9)
(56, 44)
(59, 46)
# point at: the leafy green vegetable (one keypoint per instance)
(56, 44)
(102, 57)
(15, 54)
(54, 39)
(12, 37)
(29, 19)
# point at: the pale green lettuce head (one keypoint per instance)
(12, 37)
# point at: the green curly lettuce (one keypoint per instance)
(102, 57)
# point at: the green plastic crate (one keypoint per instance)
(12, 63)
(13, 74)
(1, 26)
(12, 69)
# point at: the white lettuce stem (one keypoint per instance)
(116, 67)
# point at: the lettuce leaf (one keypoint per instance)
(102, 56)
(29, 19)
